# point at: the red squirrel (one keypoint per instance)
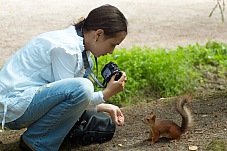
(167, 128)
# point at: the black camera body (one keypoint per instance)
(109, 70)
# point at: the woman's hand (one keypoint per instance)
(114, 87)
(114, 111)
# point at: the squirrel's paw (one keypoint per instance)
(173, 140)
(151, 143)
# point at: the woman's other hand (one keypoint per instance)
(114, 111)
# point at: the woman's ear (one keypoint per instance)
(98, 33)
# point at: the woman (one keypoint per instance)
(42, 86)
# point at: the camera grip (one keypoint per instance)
(118, 76)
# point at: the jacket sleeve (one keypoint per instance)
(96, 100)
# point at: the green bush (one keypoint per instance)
(164, 72)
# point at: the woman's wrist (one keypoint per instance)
(106, 94)
(102, 108)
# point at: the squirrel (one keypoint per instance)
(167, 128)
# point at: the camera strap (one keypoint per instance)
(86, 63)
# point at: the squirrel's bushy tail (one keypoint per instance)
(183, 109)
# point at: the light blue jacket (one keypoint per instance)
(46, 58)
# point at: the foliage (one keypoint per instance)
(165, 72)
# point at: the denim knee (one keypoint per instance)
(82, 87)
(87, 87)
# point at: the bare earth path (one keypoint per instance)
(152, 23)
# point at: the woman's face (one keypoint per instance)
(99, 45)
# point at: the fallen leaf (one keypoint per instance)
(193, 148)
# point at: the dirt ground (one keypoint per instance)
(165, 24)
(209, 114)
(209, 125)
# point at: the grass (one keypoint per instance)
(217, 145)
(165, 73)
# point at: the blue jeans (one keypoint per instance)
(53, 111)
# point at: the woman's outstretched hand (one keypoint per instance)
(114, 111)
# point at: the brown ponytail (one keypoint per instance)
(106, 17)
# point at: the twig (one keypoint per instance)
(221, 7)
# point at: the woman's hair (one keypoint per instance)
(106, 17)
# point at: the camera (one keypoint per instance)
(109, 70)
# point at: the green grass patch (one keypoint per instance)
(217, 145)
(164, 72)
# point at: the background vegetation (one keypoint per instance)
(156, 73)
(159, 73)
